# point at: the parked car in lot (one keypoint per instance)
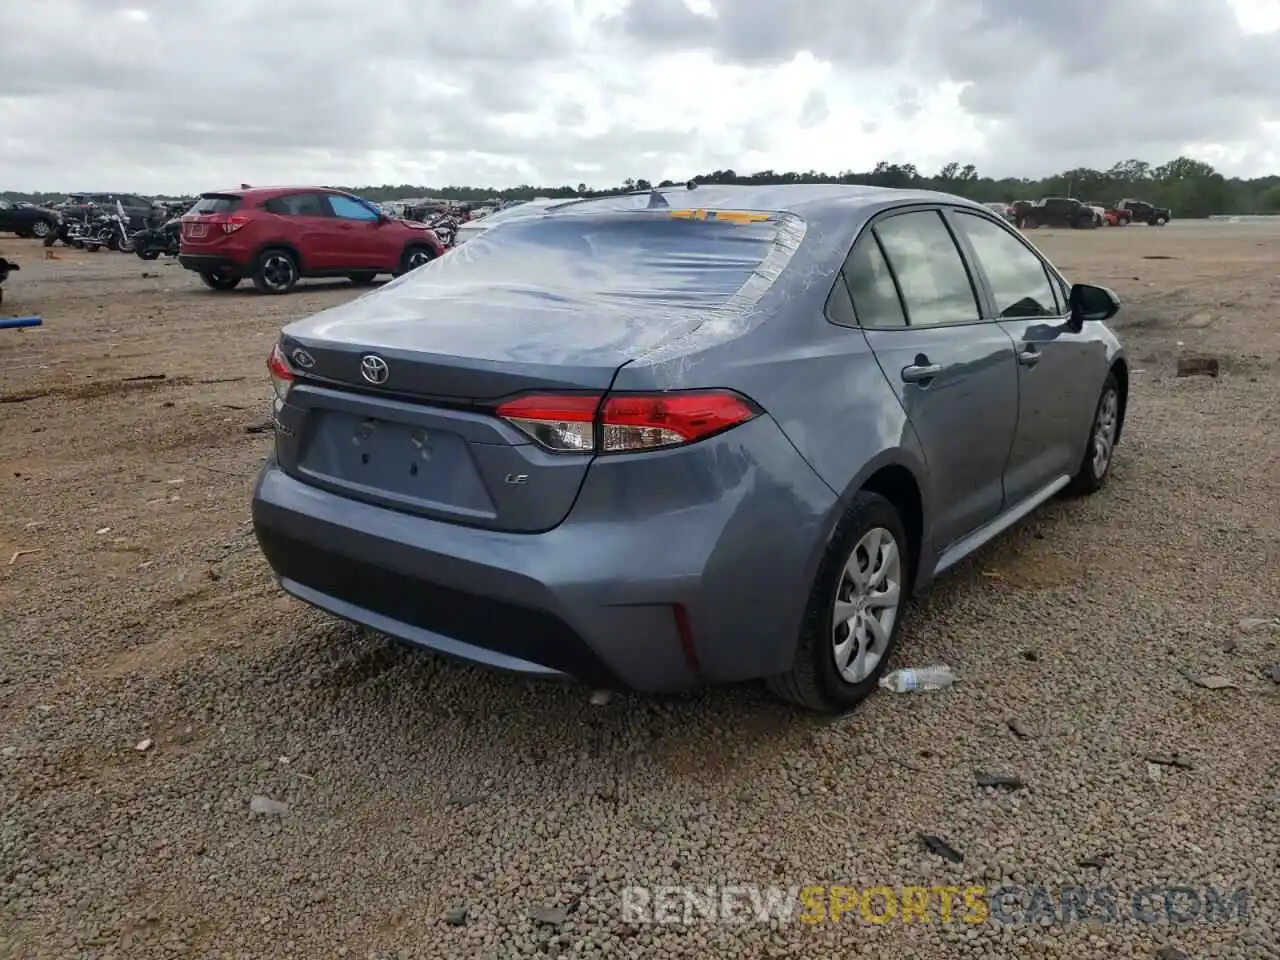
(1139, 211)
(26, 220)
(717, 435)
(1004, 210)
(473, 228)
(137, 210)
(278, 235)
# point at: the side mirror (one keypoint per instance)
(1090, 304)
(383, 218)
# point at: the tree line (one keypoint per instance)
(1188, 187)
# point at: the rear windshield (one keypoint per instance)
(660, 259)
(216, 203)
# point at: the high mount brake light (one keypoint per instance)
(281, 372)
(625, 422)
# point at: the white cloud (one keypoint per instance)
(158, 96)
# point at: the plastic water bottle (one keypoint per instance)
(918, 679)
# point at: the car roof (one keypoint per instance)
(262, 193)
(800, 199)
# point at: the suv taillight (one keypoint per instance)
(625, 422)
(281, 372)
(229, 222)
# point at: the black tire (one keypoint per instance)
(276, 271)
(113, 242)
(147, 253)
(414, 256)
(1161, 221)
(814, 681)
(363, 279)
(1029, 223)
(220, 279)
(1093, 471)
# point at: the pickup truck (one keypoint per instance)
(1054, 212)
(1140, 211)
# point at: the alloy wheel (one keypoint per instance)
(1104, 432)
(417, 258)
(40, 229)
(278, 271)
(866, 605)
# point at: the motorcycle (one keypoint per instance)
(109, 230)
(164, 238)
(70, 227)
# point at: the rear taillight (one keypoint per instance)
(281, 372)
(625, 422)
(228, 223)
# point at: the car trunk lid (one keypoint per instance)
(395, 393)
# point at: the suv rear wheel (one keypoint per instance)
(220, 279)
(276, 271)
(855, 610)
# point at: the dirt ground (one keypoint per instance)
(135, 607)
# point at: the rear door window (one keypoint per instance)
(871, 287)
(299, 205)
(931, 273)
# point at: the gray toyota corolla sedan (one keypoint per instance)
(693, 435)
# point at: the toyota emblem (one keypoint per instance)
(374, 369)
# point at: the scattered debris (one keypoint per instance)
(142, 746)
(1210, 681)
(102, 531)
(940, 847)
(1197, 366)
(1095, 862)
(9, 752)
(20, 553)
(262, 427)
(1030, 656)
(1272, 672)
(918, 679)
(549, 916)
(456, 916)
(1168, 760)
(1154, 772)
(999, 781)
(1171, 953)
(144, 377)
(463, 800)
(265, 805)
(601, 698)
(1020, 730)
(1229, 644)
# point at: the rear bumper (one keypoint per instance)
(696, 567)
(206, 263)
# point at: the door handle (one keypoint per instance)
(916, 372)
(1029, 356)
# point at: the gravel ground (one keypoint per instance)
(438, 810)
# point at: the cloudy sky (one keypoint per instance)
(185, 95)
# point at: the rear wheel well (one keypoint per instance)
(898, 485)
(1121, 370)
(286, 247)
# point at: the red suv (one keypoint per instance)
(278, 235)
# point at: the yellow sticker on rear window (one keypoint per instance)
(731, 216)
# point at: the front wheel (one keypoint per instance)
(1095, 467)
(1161, 221)
(41, 229)
(854, 616)
(415, 257)
(220, 279)
(277, 272)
